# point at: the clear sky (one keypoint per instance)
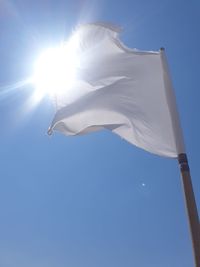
(94, 200)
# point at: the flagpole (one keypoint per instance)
(190, 206)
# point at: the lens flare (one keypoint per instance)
(55, 70)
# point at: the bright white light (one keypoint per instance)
(55, 70)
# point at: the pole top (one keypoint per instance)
(162, 49)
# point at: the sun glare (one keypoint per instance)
(55, 70)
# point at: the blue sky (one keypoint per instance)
(94, 200)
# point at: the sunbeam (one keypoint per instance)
(6, 90)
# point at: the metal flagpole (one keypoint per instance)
(191, 206)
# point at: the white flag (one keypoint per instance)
(124, 90)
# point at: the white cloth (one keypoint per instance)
(123, 90)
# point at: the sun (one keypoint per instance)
(55, 70)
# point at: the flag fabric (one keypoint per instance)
(123, 90)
